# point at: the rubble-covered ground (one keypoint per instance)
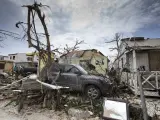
(35, 112)
(73, 108)
(152, 104)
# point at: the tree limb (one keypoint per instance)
(110, 41)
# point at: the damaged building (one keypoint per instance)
(143, 55)
(88, 59)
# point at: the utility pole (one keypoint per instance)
(145, 115)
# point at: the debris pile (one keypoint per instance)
(77, 114)
(74, 106)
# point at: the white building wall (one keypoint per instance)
(6, 58)
(130, 63)
(141, 60)
(123, 61)
(21, 57)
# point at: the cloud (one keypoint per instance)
(95, 21)
(104, 17)
(10, 13)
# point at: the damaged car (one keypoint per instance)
(78, 79)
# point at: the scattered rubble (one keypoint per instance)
(79, 114)
(153, 108)
(72, 107)
(36, 112)
(135, 112)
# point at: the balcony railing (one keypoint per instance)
(151, 80)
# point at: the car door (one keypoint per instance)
(69, 78)
(54, 72)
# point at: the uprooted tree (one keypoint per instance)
(32, 35)
(33, 38)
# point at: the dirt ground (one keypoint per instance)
(29, 113)
(33, 112)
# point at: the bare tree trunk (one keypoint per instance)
(46, 33)
(35, 8)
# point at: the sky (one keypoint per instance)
(94, 21)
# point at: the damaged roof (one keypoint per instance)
(140, 42)
(74, 54)
(79, 53)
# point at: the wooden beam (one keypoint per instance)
(157, 86)
(148, 78)
(151, 84)
(134, 61)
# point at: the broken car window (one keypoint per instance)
(74, 70)
(67, 68)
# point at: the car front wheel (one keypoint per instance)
(92, 92)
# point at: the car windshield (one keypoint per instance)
(81, 69)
